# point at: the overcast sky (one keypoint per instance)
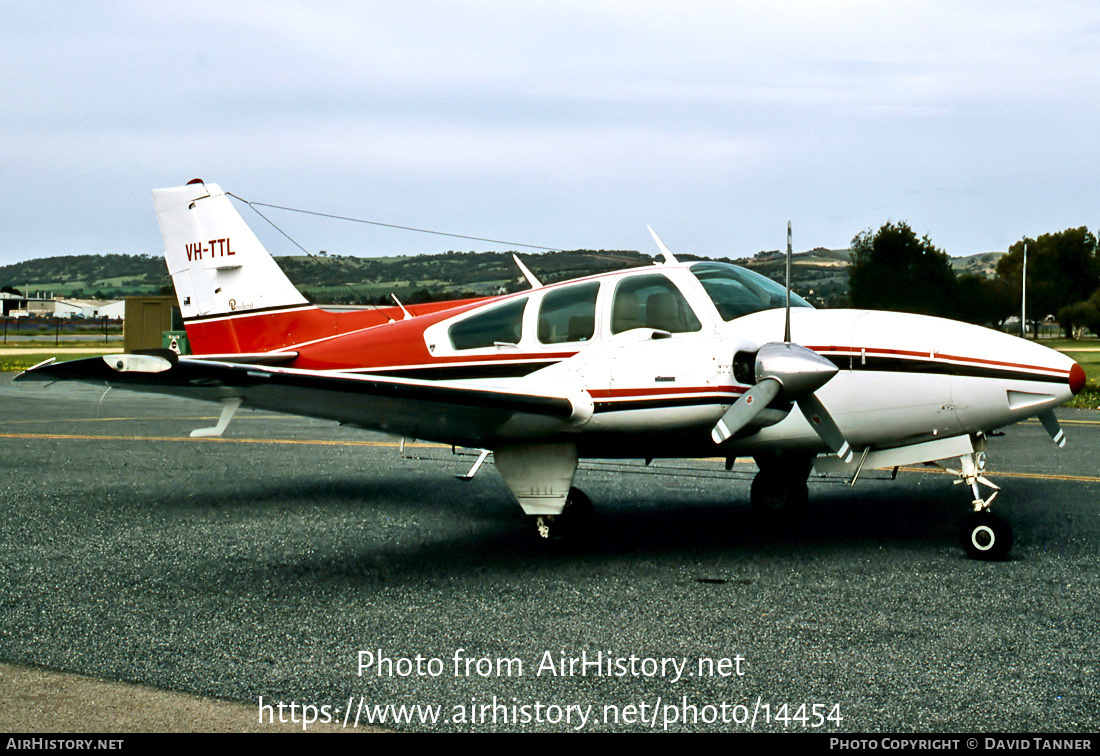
(562, 124)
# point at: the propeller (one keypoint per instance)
(790, 370)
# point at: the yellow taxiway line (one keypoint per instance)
(423, 445)
(47, 351)
(290, 441)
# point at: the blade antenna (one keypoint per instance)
(669, 257)
(787, 325)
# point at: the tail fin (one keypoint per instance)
(217, 264)
(234, 298)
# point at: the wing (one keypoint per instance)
(448, 412)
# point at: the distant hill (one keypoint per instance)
(418, 278)
(982, 264)
(88, 276)
(820, 274)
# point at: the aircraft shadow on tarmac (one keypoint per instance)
(396, 529)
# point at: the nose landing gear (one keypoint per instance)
(985, 536)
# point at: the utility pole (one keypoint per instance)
(1023, 297)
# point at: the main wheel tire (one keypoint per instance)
(573, 526)
(987, 537)
(776, 497)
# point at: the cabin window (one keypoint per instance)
(568, 314)
(500, 325)
(651, 301)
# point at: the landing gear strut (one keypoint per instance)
(574, 525)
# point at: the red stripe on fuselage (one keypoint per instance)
(873, 352)
(636, 393)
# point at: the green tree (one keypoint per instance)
(1075, 318)
(985, 301)
(1062, 269)
(894, 270)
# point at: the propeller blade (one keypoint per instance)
(824, 425)
(745, 409)
(1050, 423)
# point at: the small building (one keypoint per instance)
(147, 318)
(91, 308)
(21, 307)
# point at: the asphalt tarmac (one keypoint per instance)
(315, 571)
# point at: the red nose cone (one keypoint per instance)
(1076, 379)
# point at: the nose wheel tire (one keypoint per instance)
(574, 525)
(987, 537)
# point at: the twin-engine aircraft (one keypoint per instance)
(674, 360)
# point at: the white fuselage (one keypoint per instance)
(902, 379)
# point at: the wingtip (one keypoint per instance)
(25, 375)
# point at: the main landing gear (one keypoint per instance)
(541, 478)
(985, 535)
(573, 526)
(779, 491)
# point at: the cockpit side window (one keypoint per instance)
(736, 291)
(568, 314)
(500, 325)
(651, 301)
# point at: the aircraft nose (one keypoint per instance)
(1076, 379)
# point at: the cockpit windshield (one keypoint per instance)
(737, 291)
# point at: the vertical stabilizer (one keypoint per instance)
(217, 264)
